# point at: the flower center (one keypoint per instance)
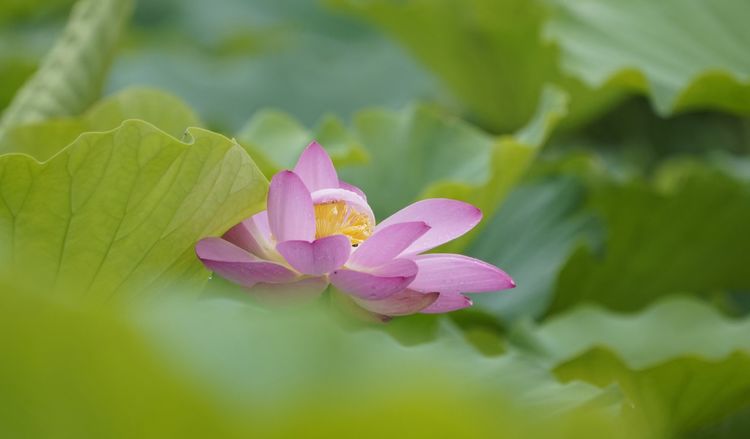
(337, 218)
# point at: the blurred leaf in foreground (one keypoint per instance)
(685, 54)
(222, 369)
(123, 208)
(69, 372)
(682, 364)
(305, 372)
(42, 140)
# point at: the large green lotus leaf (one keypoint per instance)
(121, 209)
(687, 232)
(42, 140)
(70, 77)
(275, 140)
(531, 237)
(684, 54)
(491, 54)
(682, 364)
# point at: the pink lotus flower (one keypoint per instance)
(319, 230)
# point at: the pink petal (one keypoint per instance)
(448, 220)
(447, 303)
(377, 283)
(260, 220)
(318, 257)
(315, 168)
(387, 244)
(290, 209)
(349, 197)
(449, 273)
(239, 266)
(252, 235)
(300, 292)
(400, 304)
(352, 188)
(346, 303)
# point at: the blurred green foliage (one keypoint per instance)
(546, 219)
(497, 55)
(623, 223)
(275, 140)
(695, 62)
(692, 240)
(492, 54)
(71, 75)
(676, 347)
(224, 369)
(301, 59)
